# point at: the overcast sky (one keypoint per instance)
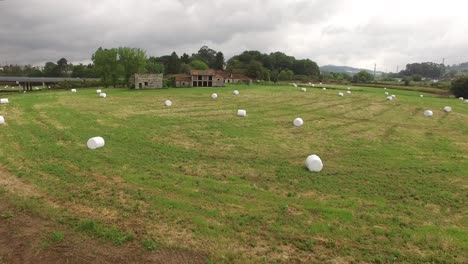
(341, 32)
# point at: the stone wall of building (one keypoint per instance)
(147, 81)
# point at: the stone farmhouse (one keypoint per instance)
(207, 78)
(147, 81)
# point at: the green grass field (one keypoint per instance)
(196, 176)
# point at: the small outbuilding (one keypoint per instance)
(147, 81)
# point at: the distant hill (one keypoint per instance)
(345, 69)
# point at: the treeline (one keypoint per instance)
(115, 65)
(424, 69)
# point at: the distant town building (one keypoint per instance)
(147, 81)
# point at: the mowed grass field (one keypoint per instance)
(195, 176)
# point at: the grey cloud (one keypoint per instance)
(38, 31)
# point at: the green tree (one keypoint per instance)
(185, 68)
(62, 67)
(207, 55)
(185, 58)
(51, 70)
(285, 75)
(199, 65)
(363, 77)
(107, 66)
(460, 86)
(219, 61)
(254, 70)
(173, 65)
(132, 60)
(153, 65)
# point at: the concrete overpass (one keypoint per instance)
(27, 83)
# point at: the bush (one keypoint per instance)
(460, 87)
(417, 78)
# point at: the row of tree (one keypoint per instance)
(115, 64)
(272, 67)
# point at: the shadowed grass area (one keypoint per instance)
(195, 175)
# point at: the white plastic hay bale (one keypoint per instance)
(95, 143)
(2, 120)
(168, 103)
(73, 90)
(421, 95)
(103, 95)
(235, 92)
(242, 113)
(340, 94)
(98, 91)
(348, 92)
(428, 113)
(4, 101)
(314, 163)
(385, 88)
(298, 122)
(461, 98)
(214, 96)
(466, 101)
(448, 109)
(294, 84)
(313, 85)
(386, 93)
(320, 83)
(324, 88)
(394, 96)
(304, 89)
(349, 88)
(390, 98)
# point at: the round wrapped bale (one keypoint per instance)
(349, 88)
(466, 101)
(73, 90)
(235, 92)
(4, 101)
(340, 94)
(98, 91)
(348, 92)
(422, 95)
(314, 163)
(313, 85)
(324, 88)
(448, 109)
(295, 85)
(167, 103)
(390, 98)
(2, 120)
(95, 142)
(428, 113)
(385, 88)
(298, 122)
(242, 113)
(214, 96)
(304, 89)
(386, 93)
(461, 98)
(103, 95)
(394, 96)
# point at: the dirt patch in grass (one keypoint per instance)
(25, 238)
